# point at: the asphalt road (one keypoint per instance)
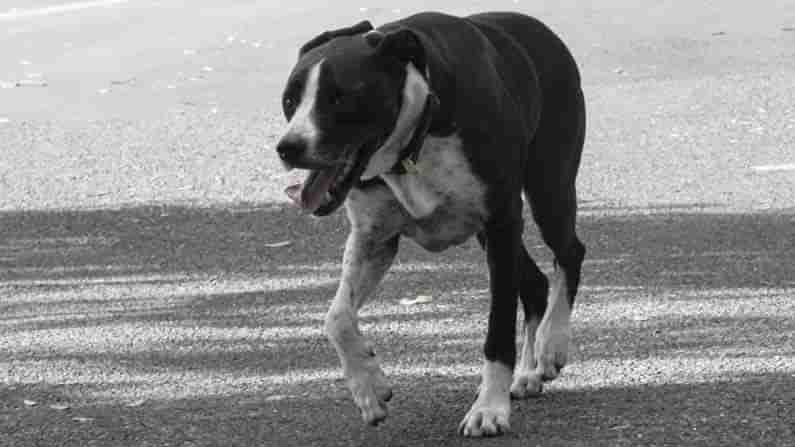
(156, 288)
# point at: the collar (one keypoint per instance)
(407, 157)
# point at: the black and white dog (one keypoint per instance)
(430, 128)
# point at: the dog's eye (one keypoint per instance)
(289, 103)
(336, 98)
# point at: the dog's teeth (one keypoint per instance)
(328, 196)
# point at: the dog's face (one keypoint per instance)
(341, 101)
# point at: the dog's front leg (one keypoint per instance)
(367, 257)
(490, 413)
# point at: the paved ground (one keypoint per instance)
(141, 302)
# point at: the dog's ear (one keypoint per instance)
(403, 44)
(361, 27)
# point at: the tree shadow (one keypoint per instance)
(751, 410)
(190, 307)
(161, 240)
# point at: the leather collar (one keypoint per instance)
(409, 154)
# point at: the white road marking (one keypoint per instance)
(774, 168)
(16, 14)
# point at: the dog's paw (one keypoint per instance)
(551, 354)
(490, 413)
(486, 420)
(371, 393)
(526, 385)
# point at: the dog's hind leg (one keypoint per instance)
(367, 258)
(533, 291)
(550, 189)
(533, 288)
(552, 336)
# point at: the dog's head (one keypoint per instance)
(354, 93)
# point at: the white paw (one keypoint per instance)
(552, 336)
(371, 393)
(526, 385)
(552, 357)
(551, 354)
(486, 420)
(491, 410)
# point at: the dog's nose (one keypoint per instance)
(290, 150)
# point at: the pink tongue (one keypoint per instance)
(310, 195)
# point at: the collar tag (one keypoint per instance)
(410, 166)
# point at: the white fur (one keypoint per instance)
(490, 413)
(365, 262)
(415, 93)
(302, 124)
(443, 175)
(552, 338)
(440, 205)
(526, 382)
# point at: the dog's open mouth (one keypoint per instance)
(324, 190)
(316, 189)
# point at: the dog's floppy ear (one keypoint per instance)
(403, 44)
(361, 27)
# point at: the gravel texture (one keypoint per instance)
(156, 289)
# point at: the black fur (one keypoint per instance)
(359, 28)
(510, 89)
(522, 117)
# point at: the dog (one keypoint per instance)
(431, 128)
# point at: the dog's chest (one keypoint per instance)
(443, 201)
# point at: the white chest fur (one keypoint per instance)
(443, 197)
(442, 177)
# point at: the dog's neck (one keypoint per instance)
(407, 157)
(410, 129)
(397, 162)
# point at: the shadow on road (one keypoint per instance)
(626, 246)
(753, 410)
(683, 330)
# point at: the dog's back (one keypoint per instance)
(553, 61)
(562, 123)
(530, 58)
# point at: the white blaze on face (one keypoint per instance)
(415, 92)
(302, 124)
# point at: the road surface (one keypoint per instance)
(157, 289)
